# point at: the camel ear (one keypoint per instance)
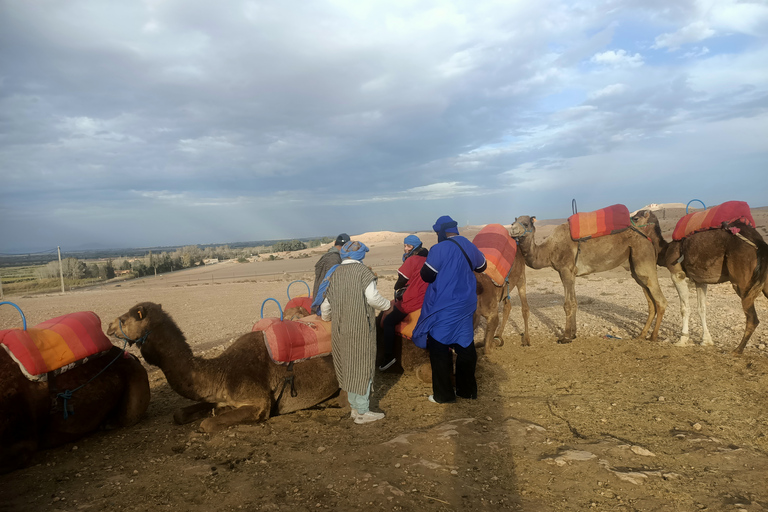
(533, 219)
(140, 312)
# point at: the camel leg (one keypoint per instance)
(651, 312)
(678, 279)
(490, 330)
(701, 296)
(644, 272)
(192, 413)
(504, 318)
(748, 303)
(525, 309)
(570, 306)
(244, 414)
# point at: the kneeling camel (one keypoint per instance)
(242, 384)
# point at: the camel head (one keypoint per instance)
(139, 323)
(522, 227)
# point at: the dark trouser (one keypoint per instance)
(442, 368)
(388, 332)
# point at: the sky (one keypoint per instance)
(179, 122)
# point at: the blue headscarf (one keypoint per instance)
(444, 225)
(414, 241)
(354, 250)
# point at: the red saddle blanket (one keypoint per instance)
(291, 341)
(713, 218)
(605, 221)
(56, 345)
(499, 249)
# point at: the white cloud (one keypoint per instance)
(692, 33)
(609, 90)
(618, 59)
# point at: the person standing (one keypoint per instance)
(409, 295)
(324, 264)
(449, 304)
(349, 303)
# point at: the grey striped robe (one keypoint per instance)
(353, 327)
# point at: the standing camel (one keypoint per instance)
(489, 296)
(571, 259)
(242, 384)
(711, 257)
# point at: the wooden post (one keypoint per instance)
(61, 271)
(1, 288)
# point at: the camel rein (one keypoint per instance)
(67, 395)
(138, 341)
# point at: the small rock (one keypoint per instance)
(135, 471)
(74, 448)
(639, 450)
(454, 472)
(397, 465)
(320, 449)
(697, 426)
(661, 399)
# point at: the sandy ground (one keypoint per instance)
(604, 423)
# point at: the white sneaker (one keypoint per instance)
(354, 414)
(368, 417)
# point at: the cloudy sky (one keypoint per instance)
(173, 122)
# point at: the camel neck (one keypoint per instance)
(534, 256)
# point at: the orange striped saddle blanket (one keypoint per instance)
(298, 340)
(56, 345)
(499, 250)
(606, 221)
(713, 218)
(405, 328)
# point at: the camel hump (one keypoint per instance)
(499, 250)
(293, 341)
(713, 218)
(605, 221)
(56, 345)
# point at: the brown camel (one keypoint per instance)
(117, 397)
(489, 296)
(711, 257)
(242, 385)
(571, 259)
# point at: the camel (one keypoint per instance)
(489, 296)
(118, 397)
(242, 385)
(571, 259)
(711, 257)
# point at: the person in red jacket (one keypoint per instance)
(409, 294)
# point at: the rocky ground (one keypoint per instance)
(608, 422)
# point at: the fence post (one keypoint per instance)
(61, 272)
(1, 288)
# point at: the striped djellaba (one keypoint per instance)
(353, 327)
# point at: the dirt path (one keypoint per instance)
(604, 423)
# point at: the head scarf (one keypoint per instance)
(354, 250)
(444, 225)
(414, 241)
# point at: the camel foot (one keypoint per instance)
(563, 341)
(192, 413)
(526, 341)
(499, 341)
(707, 342)
(736, 352)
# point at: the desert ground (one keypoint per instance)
(606, 423)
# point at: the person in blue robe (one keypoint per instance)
(450, 302)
